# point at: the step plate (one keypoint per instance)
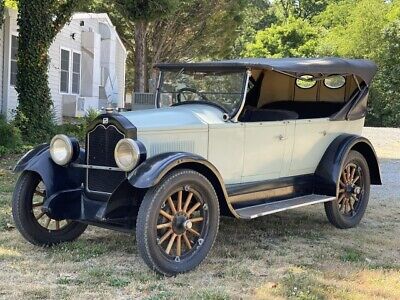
(260, 210)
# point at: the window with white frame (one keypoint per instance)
(76, 73)
(13, 60)
(65, 68)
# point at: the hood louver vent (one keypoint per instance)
(183, 146)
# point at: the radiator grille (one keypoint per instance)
(101, 143)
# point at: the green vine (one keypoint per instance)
(39, 22)
(1, 12)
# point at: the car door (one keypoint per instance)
(266, 146)
(311, 139)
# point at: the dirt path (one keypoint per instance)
(294, 254)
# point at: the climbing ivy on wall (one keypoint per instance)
(39, 22)
(1, 12)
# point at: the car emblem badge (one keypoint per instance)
(105, 121)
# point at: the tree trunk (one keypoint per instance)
(140, 56)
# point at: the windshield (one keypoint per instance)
(223, 89)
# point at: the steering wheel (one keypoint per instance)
(194, 91)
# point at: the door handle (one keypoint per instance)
(282, 138)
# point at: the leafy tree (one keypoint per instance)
(39, 22)
(303, 9)
(295, 38)
(257, 15)
(385, 104)
(353, 28)
(140, 13)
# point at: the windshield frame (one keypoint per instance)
(234, 114)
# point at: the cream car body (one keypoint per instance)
(243, 138)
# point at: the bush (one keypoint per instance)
(79, 128)
(10, 137)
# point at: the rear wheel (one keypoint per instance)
(353, 193)
(34, 225)
(177, 222)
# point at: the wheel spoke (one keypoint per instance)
(34, 205)
(188, 199)
(192, 210)
(187, 241)
(166, 215)
(193, 231)
(166, 225)
(47, 223)
(341, 198)
(341, 191)
(356, 179)
(40, 193)
(57, 225)
(344, 177)
(179, 245)
(342, 184)
(165, 236)
(351, 204)
(195, 220)
(171, 243)
(171, 205)
(353, 171)
(348, 172)
(180, 201)
(39, 216)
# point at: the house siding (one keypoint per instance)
(69, 38)
(12, 29)
(1, 66)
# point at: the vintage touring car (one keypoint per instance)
(243, 138)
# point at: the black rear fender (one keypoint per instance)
(329, 169)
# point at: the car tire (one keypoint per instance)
(186, 238)
(353, 191)
(24, 210)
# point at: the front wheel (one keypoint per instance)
(177, 222)
(352, 193)
(34, 225)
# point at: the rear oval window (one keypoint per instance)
(306, 82)
(335, 82)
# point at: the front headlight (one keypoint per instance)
(61, 149)
(127, 154)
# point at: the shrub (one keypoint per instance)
(78, 128)
(10, 137)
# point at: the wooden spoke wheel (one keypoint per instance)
(352, 193)
(351, 189)
(39, 196)
(181, 223)
(30, 220)
(177, 222)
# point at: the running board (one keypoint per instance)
(260, 210)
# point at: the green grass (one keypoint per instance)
(291, 255)
(301, 284)
(352, 255)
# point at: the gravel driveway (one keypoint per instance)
(387, 144)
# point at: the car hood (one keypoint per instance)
(184, 117)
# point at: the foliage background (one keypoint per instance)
(194, 30)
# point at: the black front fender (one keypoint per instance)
(56, 178)
(328, 171)
(149, 173)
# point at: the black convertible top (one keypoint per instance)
(363, 68)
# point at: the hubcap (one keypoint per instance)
(181, 223)
(351, 189)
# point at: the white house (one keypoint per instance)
(87, 65)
